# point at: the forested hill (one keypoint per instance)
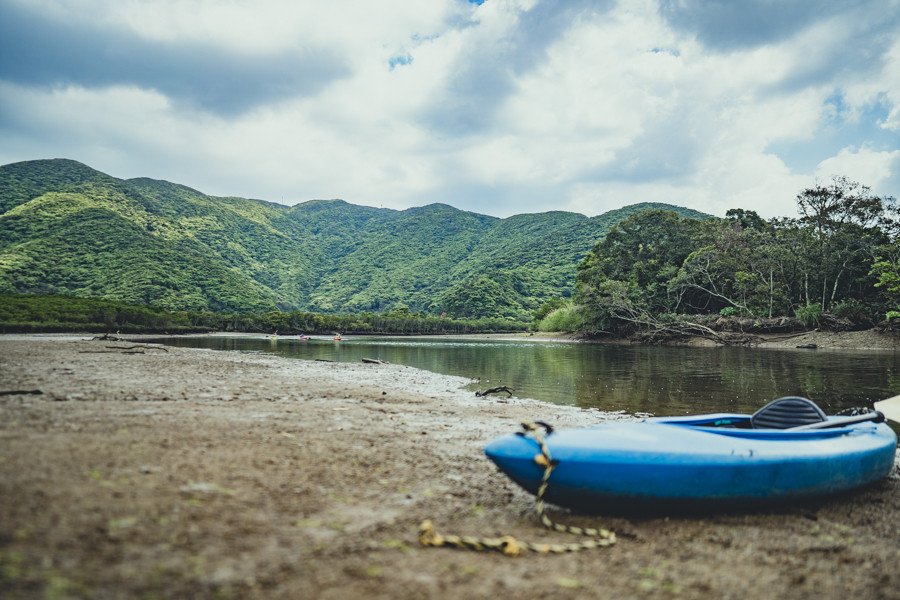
(68, 229)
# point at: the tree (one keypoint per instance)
(828, 208)
(626, 275)
(745, 219)
(845, 220)
(748, 268)
(645, 250)
(887, 269)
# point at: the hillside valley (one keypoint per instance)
(68, 229)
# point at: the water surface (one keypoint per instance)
(656, 380)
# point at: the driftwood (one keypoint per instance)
(495, 390)
(107, 337)
(324, 360)
(123, 348)
(375, 361)
(20, 392)
(135, 349)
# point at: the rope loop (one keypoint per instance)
(509, 545)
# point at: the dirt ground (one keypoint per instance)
(195, 473)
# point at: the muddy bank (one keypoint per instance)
(870, 339)
(194, 473)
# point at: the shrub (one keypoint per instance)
(566, 318)
(851, 309)
(548, 307)
(809, 315)
(728, 311)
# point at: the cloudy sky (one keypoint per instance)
(500, 106)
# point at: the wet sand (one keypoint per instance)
(195, 473)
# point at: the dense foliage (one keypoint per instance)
(839, 258)
(63, 313)
(67, 229)
(393, 323)
(160, 256)
(20, 313)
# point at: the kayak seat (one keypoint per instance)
(787, 412)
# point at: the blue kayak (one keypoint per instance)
(701, 460)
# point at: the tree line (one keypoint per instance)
(840, 258)
(51, 313)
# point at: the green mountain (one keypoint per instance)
(68, 229)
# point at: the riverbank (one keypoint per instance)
(869, 339)
(192, 473)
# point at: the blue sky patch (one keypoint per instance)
(837, 132)
(399, 61)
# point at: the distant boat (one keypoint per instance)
(337, 337)
(303, 337)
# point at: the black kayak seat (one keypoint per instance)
(787, 412)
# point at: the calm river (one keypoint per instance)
(657, 380)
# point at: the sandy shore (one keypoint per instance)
(194, 473)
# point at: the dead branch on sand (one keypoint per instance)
(495, 390)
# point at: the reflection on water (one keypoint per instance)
(661, 381)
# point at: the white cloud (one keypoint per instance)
(94, 125)
(511, 106)
(864, 165)
(262, 26)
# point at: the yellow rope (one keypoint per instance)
(510, 546)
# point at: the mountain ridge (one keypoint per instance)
(70, 229)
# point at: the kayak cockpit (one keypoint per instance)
(791, 417)
(739, 426)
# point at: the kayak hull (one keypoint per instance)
(671, 462)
